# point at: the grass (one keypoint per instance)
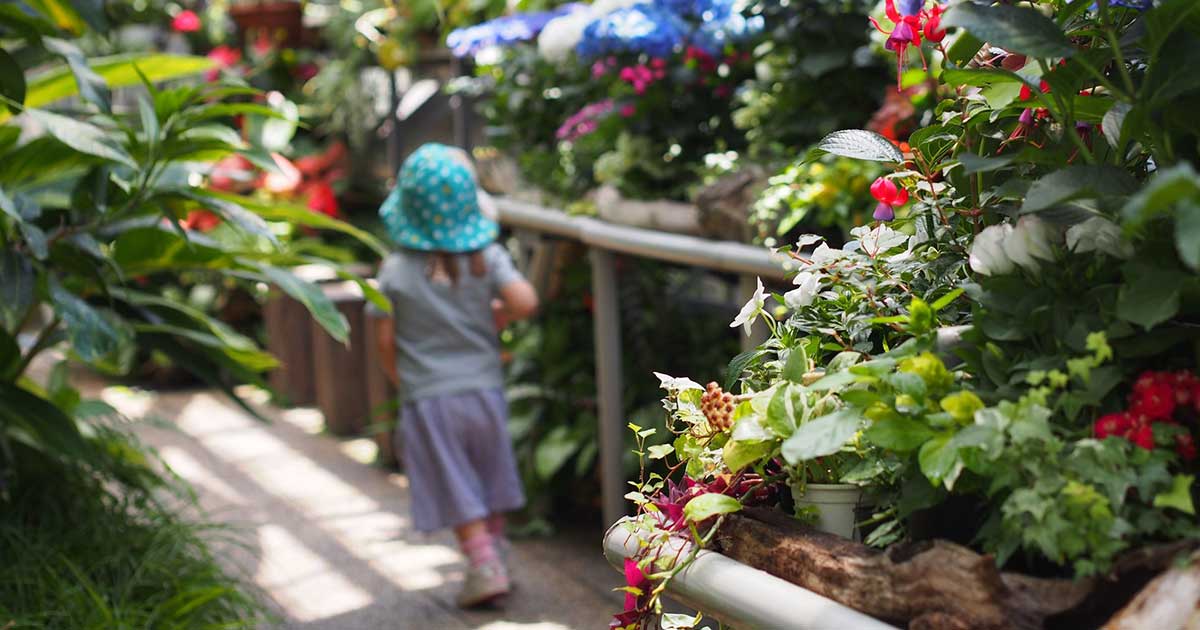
(77, 554)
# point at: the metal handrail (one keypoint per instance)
(727, 256)
(740, 595)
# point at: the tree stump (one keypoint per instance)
(339, 370)
(939, 585)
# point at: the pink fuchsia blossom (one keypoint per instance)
(889, 197)
(599, 69)
(185, 22)
(907, 24)
(628, 110)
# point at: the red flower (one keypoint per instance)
(186, 22)
(200, 221)
(224, 57)
(933, 26)
(1185, 446)
(1156, 402)
(905, 32)
(1143, 436)
(1118, 424)
(321, 199)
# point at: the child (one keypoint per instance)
(451, 287)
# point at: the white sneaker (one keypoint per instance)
(483, 585)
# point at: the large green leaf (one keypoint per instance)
(299, 215)
(81, 136)
(820, 437)
(898, 434)
(250, 357)
(10, 356)
(1162, 193)
(311, 296)
(1077, 182)
(41, 425)
(1149, 296)
(12, 80)
(117, 71)
(41, 161)
(1187, 234)
(709, 505)
(231, 210)
(739, 453)
(553, 451)
(860, 145)
(1016, 29)
(939, 461)
(92, 336)
(146, 250)
(63, 14)
(91, 86)
(16, 287)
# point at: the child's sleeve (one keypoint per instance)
(386, 281)
(501, 269)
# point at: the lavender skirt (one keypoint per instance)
(458, 457)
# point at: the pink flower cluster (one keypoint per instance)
(584, 121)
(642, 76)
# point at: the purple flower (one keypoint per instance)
(910, 7)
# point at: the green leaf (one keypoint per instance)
(91, 86)
(16, 288)
(659, 451)
(820, 437)
(149, 121)
(1149, 296)
(974, 164)
(833, 381)
(1179, 496)
(860, 145)
(81, 136)
(1164, 191)
(1113, 122)
(1076, 182)
(738, 365)
(898, 434)
(10, 356)
(298, 215)
(782, 413)
(1016, 29)
(939, 461)
(980, 77)
(231, 210)
(62, 13)
(92, 336)
(311, 296)
(796, 366)
(42, 425)
(117, 71)
(553, 451)
(963, 49)
(12, 80)
(738, 453)
(945, 300)
(1187, 234)
(709, 505)
(274, 133)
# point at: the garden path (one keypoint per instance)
(327, 536)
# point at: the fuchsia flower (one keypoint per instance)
(186, 22)
(908, 23)
(628, 110)
(642, 76)
(584, 121)
(889, 197)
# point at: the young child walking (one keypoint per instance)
(451, 287)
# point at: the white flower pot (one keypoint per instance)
(836, 501)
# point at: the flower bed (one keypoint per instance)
(1044, 207)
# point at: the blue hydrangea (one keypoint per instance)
(519, 27)
(713, 35)
(642, 28)
(706, 10)
(1140, 5)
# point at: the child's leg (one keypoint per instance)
(495, 525)
(477, 543)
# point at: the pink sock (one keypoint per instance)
(480, 550)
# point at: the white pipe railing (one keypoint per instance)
(740, 595)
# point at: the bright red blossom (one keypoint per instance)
(889, 197)
(186, 22)
(1157, 402)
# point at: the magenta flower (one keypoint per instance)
(186, 22)
(889, 197)
(584, 121)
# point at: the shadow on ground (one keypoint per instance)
(328, 536)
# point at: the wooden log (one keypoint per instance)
(1170, 601)
(288, 326)
(339, 369)
(934, 585)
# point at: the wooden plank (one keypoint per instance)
(381, 397)
(288, 326)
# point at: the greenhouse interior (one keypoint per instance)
(626, 314)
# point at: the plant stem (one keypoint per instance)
(39, 344)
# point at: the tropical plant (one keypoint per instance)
(94, 207)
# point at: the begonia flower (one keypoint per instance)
(185, 22)
(987, 255)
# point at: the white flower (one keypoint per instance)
(824, 253)
(809, 283)
(750, 312)
(987, 255)
(877, 240)
(1030, 241)
(1098, 234)
(560, 35)
(676, 384)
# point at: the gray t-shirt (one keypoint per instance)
(445, 336)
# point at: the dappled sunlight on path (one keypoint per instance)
(328, 537)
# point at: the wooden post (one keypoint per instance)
(338, 369)
(289, 340)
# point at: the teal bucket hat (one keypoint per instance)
(435, 205)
